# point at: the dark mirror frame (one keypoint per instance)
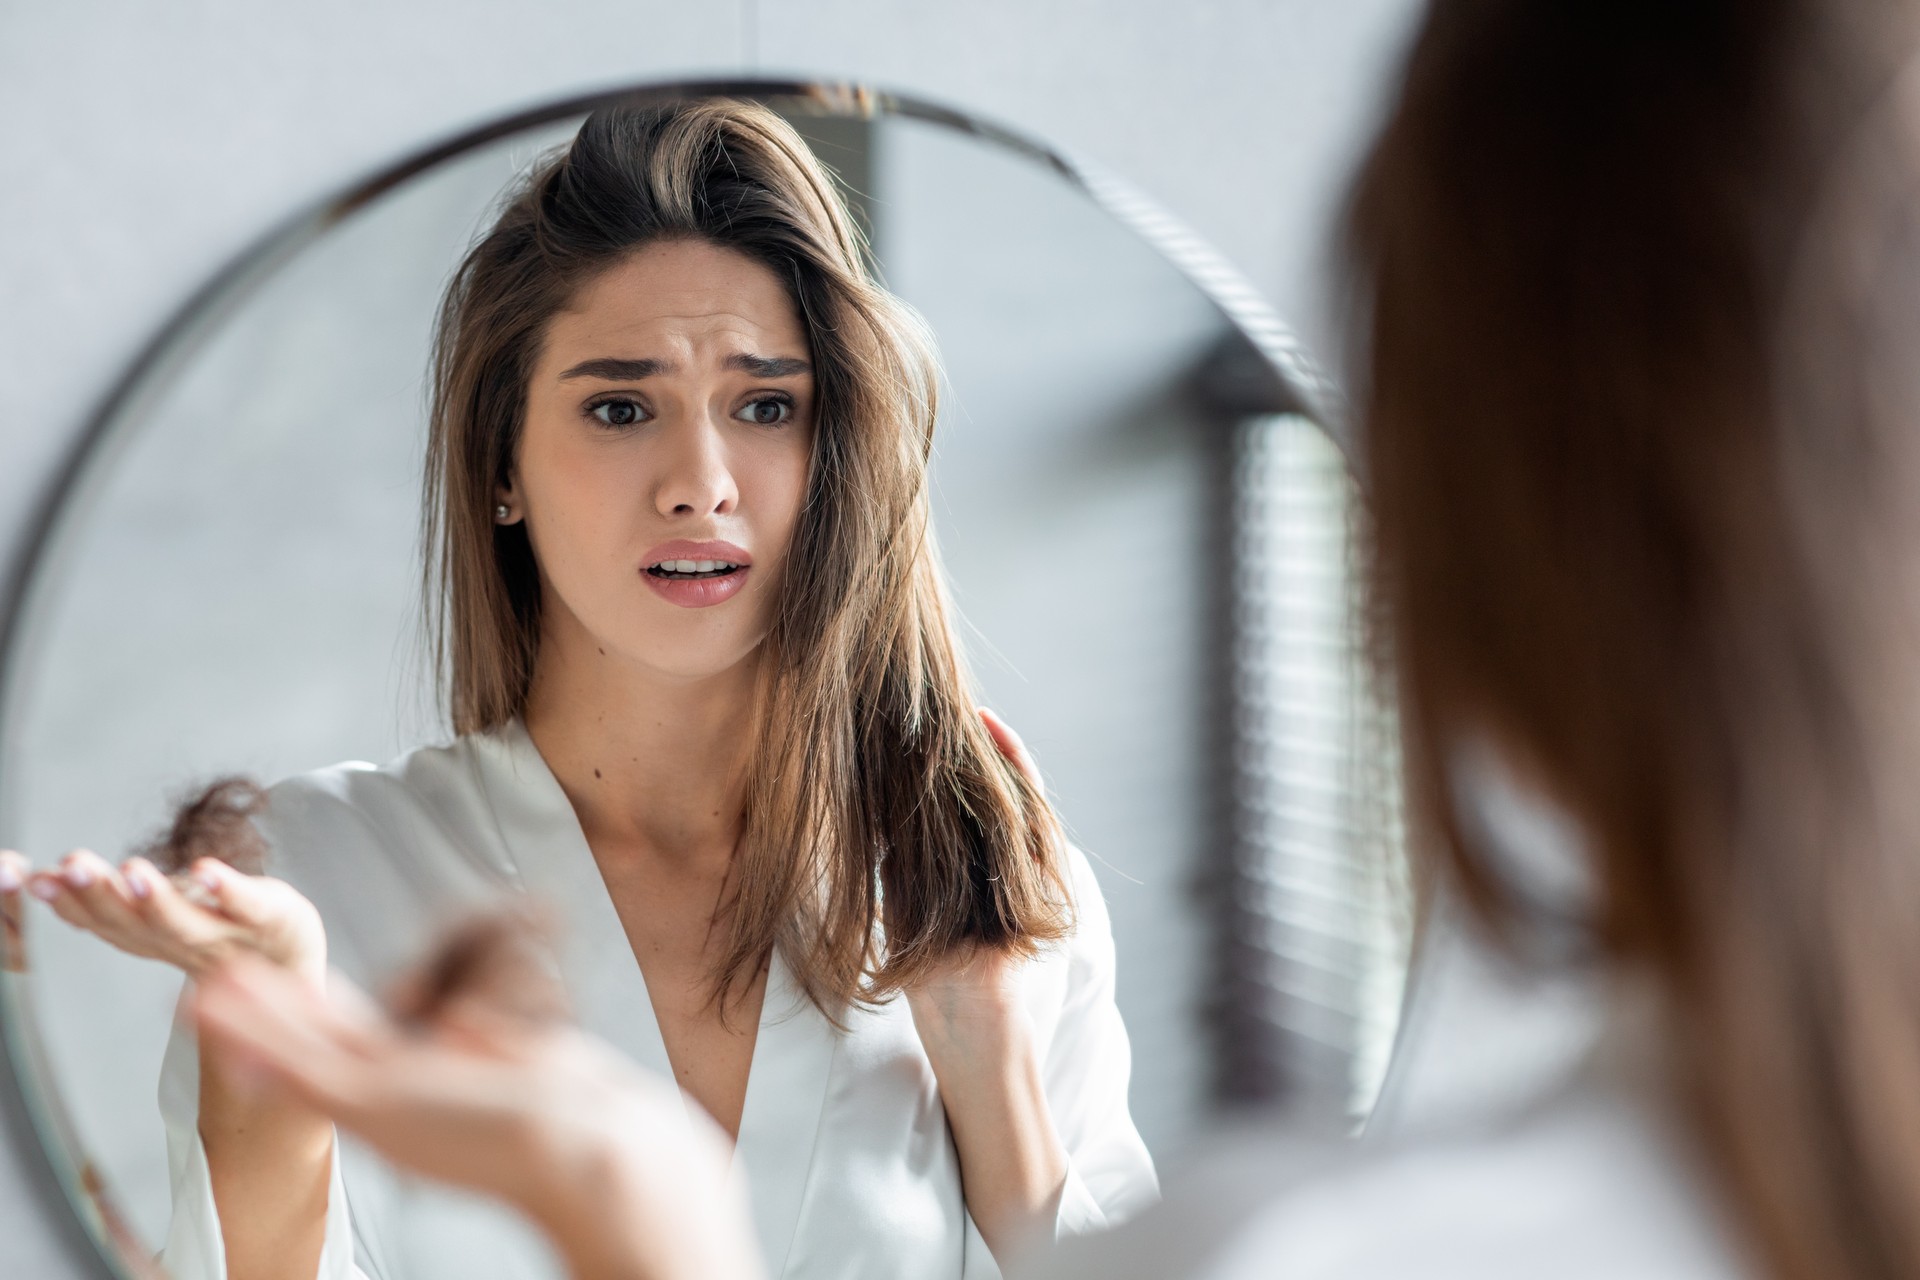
(1269, 374)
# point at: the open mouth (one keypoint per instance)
(692, 570)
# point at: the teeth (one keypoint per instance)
(696, 566)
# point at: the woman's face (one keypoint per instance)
(665, 458)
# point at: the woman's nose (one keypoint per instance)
(694, 479)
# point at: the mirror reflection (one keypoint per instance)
(662, 497)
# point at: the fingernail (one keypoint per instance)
(137, 883)
(9, 878)
(78, 876)
(207, 879)
(46, 890)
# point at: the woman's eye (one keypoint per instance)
(619, 413)
(766, 413)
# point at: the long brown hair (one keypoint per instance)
(1640, 306)
(874, 791)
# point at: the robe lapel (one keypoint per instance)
(793, 1056)
(545, 845)
(793, 1049)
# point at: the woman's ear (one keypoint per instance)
(506, 506)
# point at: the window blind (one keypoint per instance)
(1316, 899)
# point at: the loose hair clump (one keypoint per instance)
(216, 822)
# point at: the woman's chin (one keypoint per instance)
(694, 661)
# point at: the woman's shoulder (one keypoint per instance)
(373, 846)
(1083, 886)
(1090, 943)
(423, 777)
(431, 789)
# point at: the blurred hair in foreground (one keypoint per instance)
(1639, 288)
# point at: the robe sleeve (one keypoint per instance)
(193, 1250)
(1110, 1175)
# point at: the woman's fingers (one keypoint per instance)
(85, 891)
(100, 889)
(141, 878)
(14, 871)
(187, 935)
(88, 893)
(59, 887)
(144, 913)
(277, 921)
(251, 900)
(1012, 748)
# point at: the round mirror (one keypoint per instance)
(1143, 515)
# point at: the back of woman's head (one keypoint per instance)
(1639, 287)
(871, 777)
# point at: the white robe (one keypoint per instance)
(843, 1142)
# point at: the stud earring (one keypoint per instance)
(501, 512)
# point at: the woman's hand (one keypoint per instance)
(269, 1161)
(194, 921)
(979, 1038)
(608, 1161)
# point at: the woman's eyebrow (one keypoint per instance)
(618, 370)
(612, 370)
(768, 366)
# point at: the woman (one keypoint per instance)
(1639, 417)
(1642, 293)
(709, 705)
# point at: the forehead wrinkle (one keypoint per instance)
(677, 322)
(724, 341)
(682, 328)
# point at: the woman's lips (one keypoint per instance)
(703, 591)
(698, 593)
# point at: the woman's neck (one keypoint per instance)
(653, 764)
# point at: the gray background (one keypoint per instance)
(144, 145)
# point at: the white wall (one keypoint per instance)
(142, 144)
